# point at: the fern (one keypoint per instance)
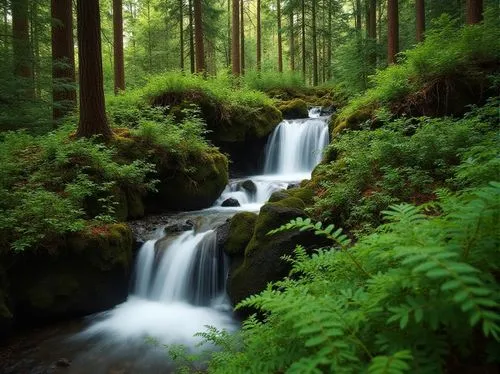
(395, 364)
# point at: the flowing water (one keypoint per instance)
(179, 283)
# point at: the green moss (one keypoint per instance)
(46, 292)
(296, 108)
(135, 204)
(303, 193)
(104, 247)
(240, 232)
(181, 189)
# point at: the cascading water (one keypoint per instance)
(296, 146)
(180, 280)
(293, 150)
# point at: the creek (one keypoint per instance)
(179, 281)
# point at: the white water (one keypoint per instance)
(180, 282)
(293, 150)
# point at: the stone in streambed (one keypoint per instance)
(230, 203)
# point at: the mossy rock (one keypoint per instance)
(354, 119)
(190, 189)
(296, 108)
(289, 197)
(303, 193)
(241, 229)
(90, 274)
(263, 261)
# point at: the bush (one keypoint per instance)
(419, 295)
(405, 160)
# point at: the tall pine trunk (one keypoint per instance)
(329, 44)
(235, 39)
(474, 11)
(292, 42)
(357, 15)
(63, 59)
(420, 13)
(198, 36)
(23, 67)
(119, 64)
(242, 38)
(229, 42)
(392, 31)
(280, 39)
(314, 43)
(191, 37)
(259, 37)
(303, 27)
(371, 30)
(92, 107)
(181, 34)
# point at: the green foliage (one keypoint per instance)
(420, 295)
(447, 50)
(48, 183)
(405, 160)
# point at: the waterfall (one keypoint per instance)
(296, 146)
(189, 269)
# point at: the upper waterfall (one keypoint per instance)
(296, 146)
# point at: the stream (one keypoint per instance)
(179, 280)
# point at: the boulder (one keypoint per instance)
(230, 202)
(249, 186)
(179, 227)
(192, 189)
(262, 262)
(90, 273)
(296, 108)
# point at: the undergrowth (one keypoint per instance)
(404, 161)
(447, 50)
(419, 295)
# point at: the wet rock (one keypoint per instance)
(179, 227)
(230, 202)
(293, 185)
(249, 186)
(63, 363)
(327, 111)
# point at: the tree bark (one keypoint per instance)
(21, 43)
(181, 33)
(474, 11)
(119, 65)
(358, 13)
(280, 39)
(292, 42)
(314, 43)
(229, 15)
(242, 38)
(420, 10)
(63, 59)
(372, 19)
(235, 38)
(92, 107)
(259, 38)
(198, 36)
(191, 37)
(329, 44)
(303, 26)
(393, 31)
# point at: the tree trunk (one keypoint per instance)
(474, 11)
(371, 30)
(63, 59)
(198, 36)
(303, 26)
(358, 15)
(292, 43)
(21, 43)
(235, 38)
(191, 36)
(420, 10)
(242, 38)
(229, 15)
(314, 43)
(119, 65)
(181, 33)
(280, 41)
(329, 46)
(259, 38)
(150, 36)
(393, 31)
(92, 107)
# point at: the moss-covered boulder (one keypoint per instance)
(89, 274)
(262, 262)
(296, 108)
(189, 188)
(240, 232)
